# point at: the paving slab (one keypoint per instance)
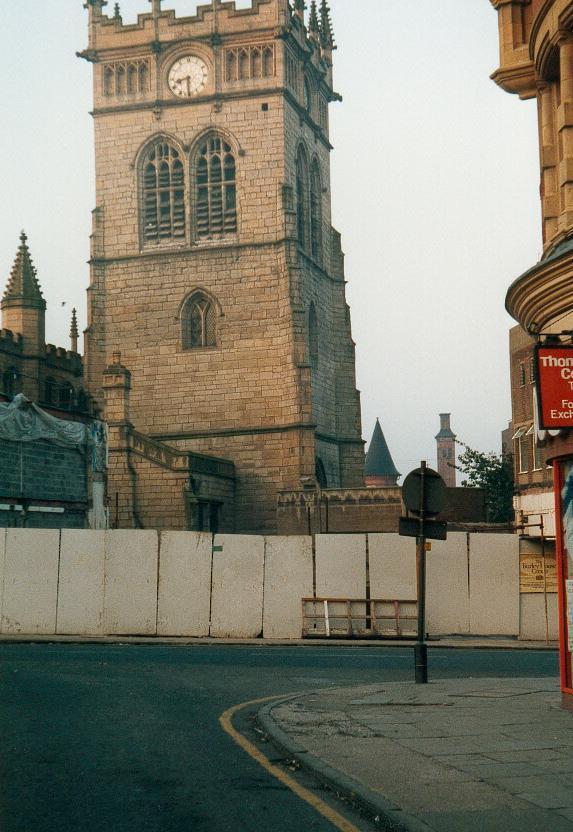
(463, 755)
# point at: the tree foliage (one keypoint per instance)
(494, 473)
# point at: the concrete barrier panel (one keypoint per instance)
(130, 600)
(288, 578)
(447, 598)
(237, 586)
(341, 565)
(184, 596)
(2, 555)
(494, 584)
(535, 622)
(31, 581)
(392, 566)
(81, 584)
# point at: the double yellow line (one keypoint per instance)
(226, 722)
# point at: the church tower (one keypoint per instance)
(446, 450)
(215, 270)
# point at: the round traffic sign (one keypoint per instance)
(435, 492)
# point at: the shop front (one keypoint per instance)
(554, 386)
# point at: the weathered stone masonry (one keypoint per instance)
(248, 390)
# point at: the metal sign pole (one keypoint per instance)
(420, 649)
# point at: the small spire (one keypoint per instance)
(379, 467)
(117, 12)
(155, 7)
(326, 35)
(313, 26)
(299, 10)
(74, 331)
(23, 283)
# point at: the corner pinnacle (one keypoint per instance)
(313, 25)
(23, 283)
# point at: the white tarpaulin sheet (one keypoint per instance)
(23, 421)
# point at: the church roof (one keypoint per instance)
(379, 462)
(445, 433)
(23, 283)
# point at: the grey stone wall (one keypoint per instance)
(42, 471)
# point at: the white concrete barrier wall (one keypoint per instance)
(535, 622)
(31, 581)
(2, 556)
(494, 584)
(122, 583)
(81, 582)
(288, 579)
(447, 594)
(237, 586)
(392, 566)
(130, 600)
(184, 584)
(340, 565)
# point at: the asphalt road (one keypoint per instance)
(126, 737)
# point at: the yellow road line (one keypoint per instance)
(331, 815)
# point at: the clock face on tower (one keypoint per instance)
(188, 76)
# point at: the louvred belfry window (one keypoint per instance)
(198, 323)
(302, 181)
(163, 195)
(216, 200)
(316, 213)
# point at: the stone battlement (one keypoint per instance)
(263, 14)
(63, 359)
(11, 341)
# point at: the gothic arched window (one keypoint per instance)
(312, 337)
(163, 194)
(67, 396)
(302, 198)
(198, 322)
(50, 391)
(12, 382)
(216, 189)
(316, 212)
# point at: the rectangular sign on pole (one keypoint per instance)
(433, 529)
(554, 376)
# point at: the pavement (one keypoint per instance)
(455, 755)
(437, 643)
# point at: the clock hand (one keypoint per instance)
(188, 79)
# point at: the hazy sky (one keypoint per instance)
(435, 191)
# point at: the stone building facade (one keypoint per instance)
(536, 61)
(215, 270)
(533, 480)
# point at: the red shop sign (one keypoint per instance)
(554, 377)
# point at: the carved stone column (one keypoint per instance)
(548, 152)
(565, 127)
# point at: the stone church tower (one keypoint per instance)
(446, 451)
(215, 270)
